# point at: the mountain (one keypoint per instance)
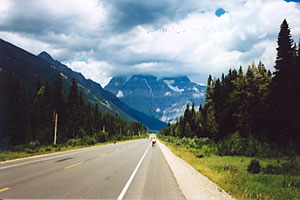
(31, 69)
(162, 98)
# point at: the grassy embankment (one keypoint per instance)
(23, 151)
(279, 178)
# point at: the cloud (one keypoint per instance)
(94, 70)
(109, 38)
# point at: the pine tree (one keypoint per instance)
(73, 110)
(59, 107)
(283, 100)
(43, 115)
(211, 124)
(17, 111)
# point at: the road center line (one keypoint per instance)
(101, 155)
(74, 165)
(132, 176)
(4, 189)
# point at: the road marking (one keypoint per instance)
(101, 155)
(26, 163)
(74, 165)
(4, 189)
(132, 176)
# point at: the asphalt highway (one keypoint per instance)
(129, 170)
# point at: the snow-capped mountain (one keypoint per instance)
(162, 98)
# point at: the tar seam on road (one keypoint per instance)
(4, 189)
(132, 176)
(74, 165)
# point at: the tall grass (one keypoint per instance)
(278, 179)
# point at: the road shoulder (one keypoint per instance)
(193, 184)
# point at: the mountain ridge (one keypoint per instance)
(31, 69)
(150, 122)
(163, 98)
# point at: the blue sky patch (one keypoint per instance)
(297, 1)
(82, 59)
(219, 12)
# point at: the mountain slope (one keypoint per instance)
(163, 98)
(30, 69)
(150, 122)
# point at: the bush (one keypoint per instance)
(254, 167)
(199, 155)
(28, 150)
(33, 144)
(177, 143)
(74, 142)
(201, 141)
(90, 140)
(102, 136)
(233, 145)
(48, 148)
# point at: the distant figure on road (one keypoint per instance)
(153, 142)
(115, 140)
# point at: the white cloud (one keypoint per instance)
(184, 38)
(95, 70)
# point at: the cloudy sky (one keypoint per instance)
(105, 38)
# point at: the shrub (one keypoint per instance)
(254, 167)
(199, 155)
(74, 142)
(177, 143)
(33, 144)
(233, 145)
(90, 140)
(28, 150)
(48, 148)
(201, 141)
(102, 136)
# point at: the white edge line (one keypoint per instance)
(132, 176)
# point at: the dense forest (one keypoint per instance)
(31, 117)
(253, 107)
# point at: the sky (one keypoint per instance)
(164, 38)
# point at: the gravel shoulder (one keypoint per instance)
(193, 184)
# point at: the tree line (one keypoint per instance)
(31, 117)
(251, 104)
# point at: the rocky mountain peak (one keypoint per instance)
(163, 98)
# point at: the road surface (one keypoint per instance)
(101, 172)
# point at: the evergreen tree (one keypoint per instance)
(43, 114)
(283, 99)
(59, 107)
(17, 111)
(73, 110)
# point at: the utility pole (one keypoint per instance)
(55, 128)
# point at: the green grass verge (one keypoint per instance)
(230, 173)
(22, 151)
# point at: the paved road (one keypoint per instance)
(99, 172)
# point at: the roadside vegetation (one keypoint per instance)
(246, 137)
(32, 118)
(278, 176)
